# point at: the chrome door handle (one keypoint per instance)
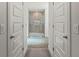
(65, 37)
(11, 37)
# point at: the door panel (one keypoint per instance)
(61, 30)
(15, 23)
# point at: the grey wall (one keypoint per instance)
(3, 35)
(74, 36)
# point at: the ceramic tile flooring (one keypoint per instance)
(37, 52)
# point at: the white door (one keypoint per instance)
(3, 29)
(61, 29)
(15, 29)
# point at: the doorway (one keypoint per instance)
(36, 36)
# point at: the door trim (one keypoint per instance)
(69, 28)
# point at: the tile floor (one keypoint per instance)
(37, 52)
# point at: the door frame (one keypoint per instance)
(69, 28)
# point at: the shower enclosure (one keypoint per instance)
(37, 22)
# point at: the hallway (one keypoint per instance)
(39, 29)
(37, 46)
(37, 52)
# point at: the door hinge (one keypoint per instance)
(23, 49)
(53, 3)
(22, 25)
(53, 25)
(53, 49)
